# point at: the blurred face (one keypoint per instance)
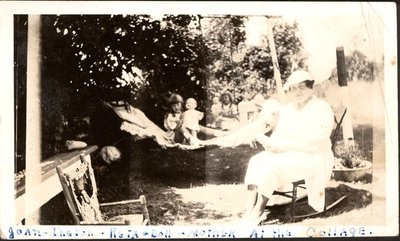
(177, 107)
(215, 100)
(110, 154)
(225, 99)
(300, 93)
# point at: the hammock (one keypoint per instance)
(135, 122)
(244, 135)
(140, 127)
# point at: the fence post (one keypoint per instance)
(348, 135)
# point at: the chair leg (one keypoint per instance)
(146, 215)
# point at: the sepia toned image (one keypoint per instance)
(267, 121)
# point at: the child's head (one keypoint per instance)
(175, 102)
(215, 100)
(226, 98)
(110, 154)
(176, 107)
(191, 104)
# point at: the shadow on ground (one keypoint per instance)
(154, 172)
(355, 199)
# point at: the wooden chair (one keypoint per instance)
(293, 194)
(80, 190)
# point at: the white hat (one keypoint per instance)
(297, 77)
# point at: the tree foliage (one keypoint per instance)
(252, 70)
(224, 36)
(358, 67)
(136, 54)
(151, 58)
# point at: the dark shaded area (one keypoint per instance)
(56, 211)
(20, 54)
(183, 169)
(356, 199)
(105, 127)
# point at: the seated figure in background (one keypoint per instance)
(228, 116)
(246, 134)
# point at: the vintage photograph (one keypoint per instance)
(242, 118)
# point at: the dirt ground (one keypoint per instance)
(205, 187)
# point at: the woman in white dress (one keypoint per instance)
(299, 148)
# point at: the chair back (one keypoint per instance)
(80, 190)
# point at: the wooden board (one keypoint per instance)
(46, 183)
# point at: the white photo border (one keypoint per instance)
(387, 12)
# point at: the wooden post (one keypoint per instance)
(348, 135)
(7, 137)
(277, 74)
(33, 113)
